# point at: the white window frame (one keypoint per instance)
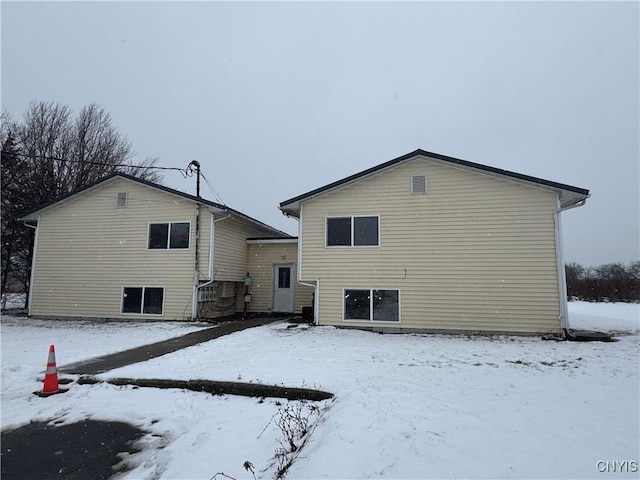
(371, 320)
(352, 217)
(143, 287)
(168, 249)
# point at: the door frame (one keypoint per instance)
(274, 286)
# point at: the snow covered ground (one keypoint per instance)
(406, 406)
(12, 300)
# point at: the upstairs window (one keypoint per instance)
(353, 231)
(163, 236)
(339, 231)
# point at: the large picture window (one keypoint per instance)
(143, 300)
(163, 236)
(356, 231)
(375, 305)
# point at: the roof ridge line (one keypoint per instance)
(434, 156)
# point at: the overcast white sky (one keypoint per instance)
(275, 99)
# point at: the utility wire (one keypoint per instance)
(213, 190)
(184, 171)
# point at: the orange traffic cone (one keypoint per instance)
(51, 375)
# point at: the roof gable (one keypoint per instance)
(570, 195)
(32, 216)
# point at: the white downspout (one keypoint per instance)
(562, 279)
(33, 262)
(212, 232)
(562, 275)
(212, 235)
(315, 287)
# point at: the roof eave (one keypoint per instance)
(290, 209)
(572, 200)
(214, 207)
(247, 220)
(292, 206)
(31, 218)
(34, 214)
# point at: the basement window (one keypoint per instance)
(353, 231)
(121, 200)
(163, 236)
(418, 184)
(372, 305)
(143, 300)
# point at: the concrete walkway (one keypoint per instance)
(105, 363)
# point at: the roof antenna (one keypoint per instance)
(196, 164)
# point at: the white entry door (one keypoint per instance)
(283, 287)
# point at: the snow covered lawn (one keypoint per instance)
(406, 406)
(12, 300)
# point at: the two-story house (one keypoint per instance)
(123, 247)
(422, 242)
(430, 242)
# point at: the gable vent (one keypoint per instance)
(418, 184)
(121, 201)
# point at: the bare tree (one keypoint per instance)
(616, 282)
(50, 153)
(14, 234)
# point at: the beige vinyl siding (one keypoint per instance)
(262, 257)
(476, 252)
(88, 250)
(230, 249)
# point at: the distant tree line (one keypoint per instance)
(49, 153)
(613, 282)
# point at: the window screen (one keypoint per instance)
(365, 231)
(386, 306)
(153, 300)
(179, 235)
(158, 235)
(132, 300)
(357, 305)
(339, 231)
